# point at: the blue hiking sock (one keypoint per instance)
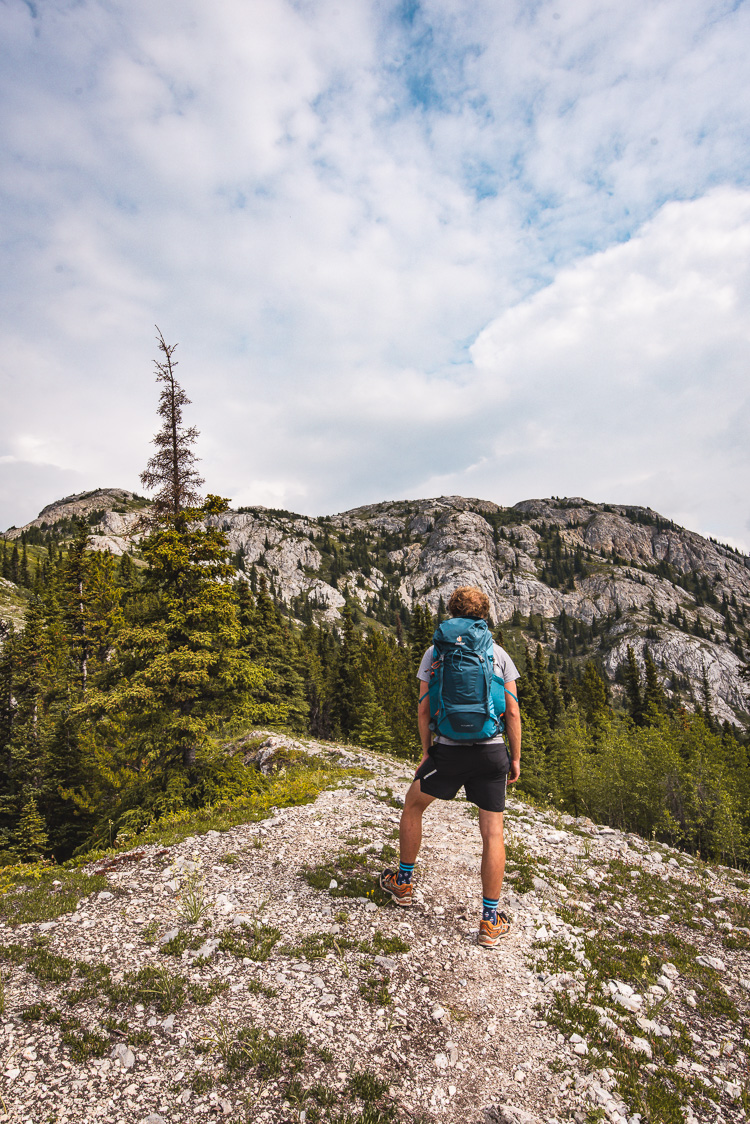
(405, 871)
(489, 909)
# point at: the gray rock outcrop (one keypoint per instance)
(641, 581)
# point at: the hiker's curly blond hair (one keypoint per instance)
(468, 601)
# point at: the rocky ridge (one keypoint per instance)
(625, 573)
(622, 987)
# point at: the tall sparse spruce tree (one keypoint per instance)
(171, 470)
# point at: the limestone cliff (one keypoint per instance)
(624, 575)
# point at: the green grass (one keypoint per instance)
(154, 985)
(521, 865)
(366, 1086)
(315, 946)
(256, 988)
(389, 798)
(300, 784)
(355, 874)
(82, 1042)
(375, 991)
(181, 942)
(30, 896)
(281, 1068)
(255, 941)
(149, 931)
(656, 1089)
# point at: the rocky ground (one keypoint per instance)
(258, 975)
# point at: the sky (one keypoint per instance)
(406, 249)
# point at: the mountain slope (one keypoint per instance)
(586, 580)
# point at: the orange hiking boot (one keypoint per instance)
(401, 892)
(491, 933)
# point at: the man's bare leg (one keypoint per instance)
(398, 883)
(410, 828)
(493, 853)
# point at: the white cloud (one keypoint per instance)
(626, 379)
(326, 204)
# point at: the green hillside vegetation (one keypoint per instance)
(126, 680)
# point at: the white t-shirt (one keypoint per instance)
(504, 669)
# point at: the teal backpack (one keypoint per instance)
(467, 699)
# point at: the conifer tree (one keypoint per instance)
(632, 679)
(593, 694)
(654, 699)
(78, 572)
(180, 670)
(269, 641)
(422, 629)
(31, 841)
(171, 470)
(372, 730)
(348, 680)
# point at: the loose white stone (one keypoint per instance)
(124, 1055)
(642, 1046)
(441, 1061)
(711, 962)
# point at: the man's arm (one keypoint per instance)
(423, 721)
(513, 730)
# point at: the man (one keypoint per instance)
(484, 768)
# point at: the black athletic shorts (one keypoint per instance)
(482, 770)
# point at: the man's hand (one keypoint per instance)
(425, 755)
(515, 771)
